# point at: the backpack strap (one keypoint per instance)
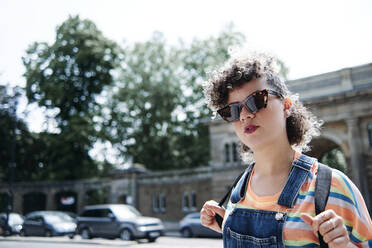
(218, 218)
(322, 189)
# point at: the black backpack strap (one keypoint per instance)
(218, 218)
(322, 189)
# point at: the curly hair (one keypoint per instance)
(241, 68)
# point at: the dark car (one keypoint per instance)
(190, 226)
(15, 223)
(48, 224)
(118, 221)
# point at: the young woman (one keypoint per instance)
(273, 203)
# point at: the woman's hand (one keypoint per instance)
(331, 227)
(207, 213)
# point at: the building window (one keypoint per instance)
(159, 203)
(185, 202)
(123, 199)
(163, 203)
(155, 203)
(370, 135)
(193, 201)
(189, 202)
(234, 152)
(227, 153)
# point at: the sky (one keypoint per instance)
(311, 37)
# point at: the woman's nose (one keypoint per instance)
(245, 114)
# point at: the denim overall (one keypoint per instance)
(261, 228)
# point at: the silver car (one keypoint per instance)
(190, 226)
(117, 221)
(48, 223)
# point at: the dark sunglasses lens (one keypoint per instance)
(260, 99)
(256, 101)
(230, 113)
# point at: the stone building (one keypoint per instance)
(342, 99)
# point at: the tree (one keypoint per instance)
(142, 118)
(13, 129)
(158, 106)
(67, 77)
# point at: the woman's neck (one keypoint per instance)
(274, 160)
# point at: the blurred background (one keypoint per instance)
(101, 101)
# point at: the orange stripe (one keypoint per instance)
(299, 235)
(339, 185)
(349, 215)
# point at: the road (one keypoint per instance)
(77, 242)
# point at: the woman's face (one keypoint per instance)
(264, 128)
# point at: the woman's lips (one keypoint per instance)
(250, 129)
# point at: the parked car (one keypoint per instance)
(71, 214)
(15, 223)
(190, 226)
(117, 221)
(48, 224)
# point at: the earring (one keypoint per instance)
(287, 103)
(287, 113)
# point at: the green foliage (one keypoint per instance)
(27, 147)
(97, 196)
(70, 73)
(335, 158)
(158, 111)
(67, 77)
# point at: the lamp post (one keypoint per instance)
(12, 163)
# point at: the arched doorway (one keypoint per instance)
(4, 201)
(328, 152)
(66, 201)
(34, 201)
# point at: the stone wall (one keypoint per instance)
(204, 183)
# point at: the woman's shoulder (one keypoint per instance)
(340, 182)
(346, 196)
(343, 186)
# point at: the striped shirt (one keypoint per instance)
(344, 198)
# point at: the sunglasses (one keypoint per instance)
(253, 103)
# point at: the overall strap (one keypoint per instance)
(322, 189)
(299, 171)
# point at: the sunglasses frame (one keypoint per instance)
(249, 104)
